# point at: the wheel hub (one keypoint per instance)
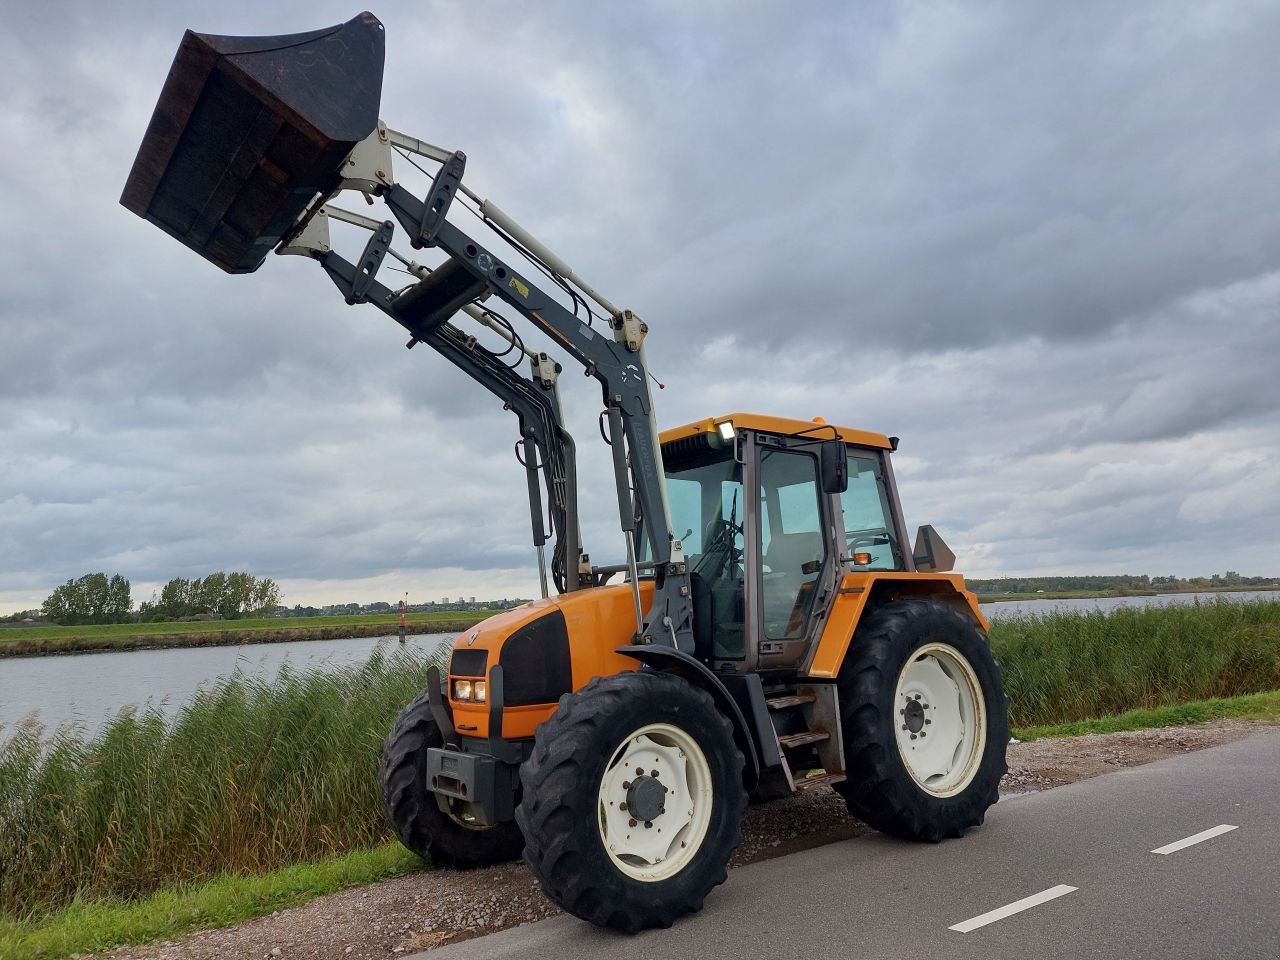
(941, 722)
(646, 798)
(913, 714)
(655, 802)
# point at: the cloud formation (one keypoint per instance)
(1038, 244)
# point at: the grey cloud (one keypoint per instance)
(1037, 244)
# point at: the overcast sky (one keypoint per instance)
(1039, 242)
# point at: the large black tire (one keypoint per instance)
(411, 808)
(560, 810)
(879, 789)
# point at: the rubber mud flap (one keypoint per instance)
(248, 130)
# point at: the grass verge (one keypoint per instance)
(1256, 706)
(95, 926)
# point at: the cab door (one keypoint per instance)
(791, 555)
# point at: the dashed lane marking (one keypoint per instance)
(1195, 838)
(1026, 903)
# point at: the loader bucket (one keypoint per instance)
(248, 130)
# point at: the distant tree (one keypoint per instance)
(92, 598)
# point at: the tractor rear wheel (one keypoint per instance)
(632, 800)
(925, 722)
(445, 839)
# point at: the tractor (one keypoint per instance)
(770, 629)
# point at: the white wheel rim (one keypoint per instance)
(940, 719)
(666, 754)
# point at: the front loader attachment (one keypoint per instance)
(249, 129)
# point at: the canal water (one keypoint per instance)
(87, 688)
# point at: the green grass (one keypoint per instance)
(1064, 667)
(248, 777)
(95, 926)
(1254, 706)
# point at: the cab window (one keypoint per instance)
(868, 525)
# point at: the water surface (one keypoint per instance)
(89, 687)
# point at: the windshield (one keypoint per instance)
(705, 495)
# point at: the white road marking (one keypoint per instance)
(1026, 903)
(1195, 838)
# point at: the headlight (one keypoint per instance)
(481, 690)
(462, 689)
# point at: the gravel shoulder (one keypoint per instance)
(435, 907)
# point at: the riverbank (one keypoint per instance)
(253, 775)
(50, 640)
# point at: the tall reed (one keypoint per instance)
(248, 776)
(1062, 667)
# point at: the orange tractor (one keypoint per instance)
(770, 629)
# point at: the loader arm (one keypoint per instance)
(252, 137)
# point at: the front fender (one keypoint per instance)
(670, 660)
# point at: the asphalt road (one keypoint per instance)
(1086, 849)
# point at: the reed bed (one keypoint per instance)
(247, 777)
(1065, 667)
(251, 776)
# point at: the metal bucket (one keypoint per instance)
(248, 130)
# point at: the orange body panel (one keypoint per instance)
(599, 621)
(851, 601)
(784, 426)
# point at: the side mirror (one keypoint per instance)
(833, 465)
(930, 553)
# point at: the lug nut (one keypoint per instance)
(648, 824)
(913, 736)
(626, 784)
(639, 771)
(654, 774)
(631, 823)
(622, 805)
(928, 721)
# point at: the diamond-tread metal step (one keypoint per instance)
(791, 700)
(793, 740)
(808, 783)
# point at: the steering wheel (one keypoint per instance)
(874, 536)
(870, 537)
(720, 550)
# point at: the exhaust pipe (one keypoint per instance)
(248, 130)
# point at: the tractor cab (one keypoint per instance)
(771, 513)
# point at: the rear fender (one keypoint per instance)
(860, 593)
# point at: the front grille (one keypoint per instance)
(469, 663)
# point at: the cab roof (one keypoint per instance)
(784, 426)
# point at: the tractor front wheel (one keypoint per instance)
(447, 839)
(632, 800)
